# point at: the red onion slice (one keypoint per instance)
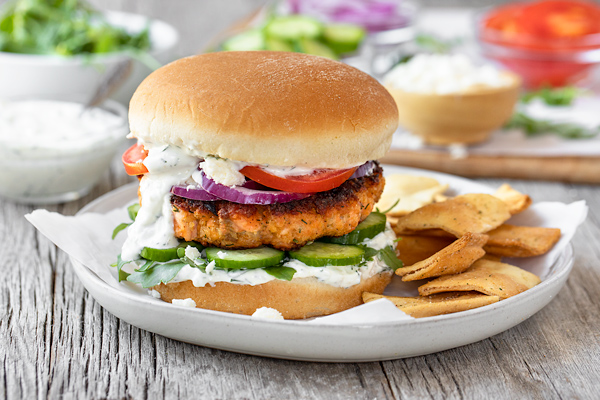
(198, 193)
(373, 15)
(243, 195)
(194, 193)
(364, 170)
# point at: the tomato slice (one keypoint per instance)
(132, 160)
(320, 180)
(540, 22)
(560, 19)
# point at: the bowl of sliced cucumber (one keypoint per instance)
(298, 33)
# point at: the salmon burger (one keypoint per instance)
(258, 179)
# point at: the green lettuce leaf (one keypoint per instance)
(388, 255)
(119, 228)
(281, 272)
(160, 272)
(119, 264)
(132, 210)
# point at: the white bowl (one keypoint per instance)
(57, 156)
(75, 78)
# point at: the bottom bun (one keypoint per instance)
(297, 299)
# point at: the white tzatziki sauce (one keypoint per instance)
(267, 313)
(44, 128)
(287, 171)
(184, 302)
(153, 226)
(227, 172)
(50, 148)
(382, 240)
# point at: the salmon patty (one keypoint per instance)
(284, 226)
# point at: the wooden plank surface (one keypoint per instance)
(57, 342)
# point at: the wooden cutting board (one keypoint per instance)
(563, 169)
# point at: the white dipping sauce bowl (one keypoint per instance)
(76, 78)
(53, 152)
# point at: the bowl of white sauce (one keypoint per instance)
(54, 151)
(449, 99)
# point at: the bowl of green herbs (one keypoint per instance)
(64, 49)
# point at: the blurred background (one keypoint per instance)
(483, 87)
(199, 21)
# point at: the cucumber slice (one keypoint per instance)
(316, 48)
(318, 254)
(372, 226)
(278, 45)
(160, 255)
(260, 257)
(294, 27)
(164, 255)
(247, 41)
(197, 245)
(343, 38)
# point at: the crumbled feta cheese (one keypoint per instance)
(443, 74)
(267, 313)
(184, 302)
(192, 253)
(223, 171)
(209, 267)
(154, 293)
(221, 254)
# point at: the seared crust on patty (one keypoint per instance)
(284, 226)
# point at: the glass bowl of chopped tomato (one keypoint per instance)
(546, 42)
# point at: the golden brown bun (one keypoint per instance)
(260, 107)
(296, 299)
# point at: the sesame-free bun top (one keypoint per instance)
(260, 107)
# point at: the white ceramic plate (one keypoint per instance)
(297, 340)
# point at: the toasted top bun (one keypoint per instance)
(260, 107)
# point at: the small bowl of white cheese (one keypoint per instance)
(53, 151)
(448, 99)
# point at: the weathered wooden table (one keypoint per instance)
(57, 342)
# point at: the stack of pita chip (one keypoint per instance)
(454, 246)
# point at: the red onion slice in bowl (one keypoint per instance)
(243, 195)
